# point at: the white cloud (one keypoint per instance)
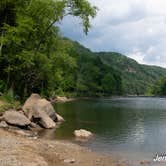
(137, 55)
(135, 28)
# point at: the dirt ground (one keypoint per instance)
(22, 151)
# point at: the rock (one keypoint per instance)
(34, 138)
(40, 111)
(33, 125)
(47, 107)
(29, 103)
(98, 160)
(1, 118)
(3, 124)
(144, 162)
(15, 118)
(82, 133)
(69, 160)
(61, 99)
(47, 122)
(21, 132)
(42, 118)
(21, 112)
(50, 146)
(59, 118)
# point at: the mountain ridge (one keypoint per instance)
(139, 77)
(111, 73)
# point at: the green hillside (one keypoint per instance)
(92, 76)
(136, 78)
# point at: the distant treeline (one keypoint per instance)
(159, 88)
(137, 79)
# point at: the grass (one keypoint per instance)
(7, 102)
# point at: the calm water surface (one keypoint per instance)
(134, 128)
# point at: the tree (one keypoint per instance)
(31, 53)
(159, 88)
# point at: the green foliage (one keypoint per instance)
(92, 76)
(136, 78)
(80, 8)
(9, 101)
(33, 55)
(159, 88)
(110, 84)
(2, 86)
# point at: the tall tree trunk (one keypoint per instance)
(1, 44)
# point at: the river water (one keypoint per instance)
(132, 128)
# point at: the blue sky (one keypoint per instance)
(136, 28)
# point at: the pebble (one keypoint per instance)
(3, 124)
(20, 132)
(69, 160)
(33, 125)
(50, 146)
(98, 160)
(144, 162)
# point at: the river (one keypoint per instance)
(133, 128)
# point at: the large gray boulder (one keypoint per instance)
(46, 106)
(35, 101)
(15, 118)
(40, 114)
(29, 103)
(40, 110)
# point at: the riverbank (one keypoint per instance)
(23, 147)
(21, 151)
(20, 147)
(65, 99)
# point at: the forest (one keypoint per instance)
(137, 79)
(35, 57)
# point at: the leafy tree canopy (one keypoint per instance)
(159, 88)
(33, 54)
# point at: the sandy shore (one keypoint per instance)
(22, 151)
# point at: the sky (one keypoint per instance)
(135, 28)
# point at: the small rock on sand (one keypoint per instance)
(69, 160)
(3, 124)
(21, 133)
(144, 162)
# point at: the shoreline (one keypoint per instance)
(17, 150)
(65, 99)
(52, 152)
